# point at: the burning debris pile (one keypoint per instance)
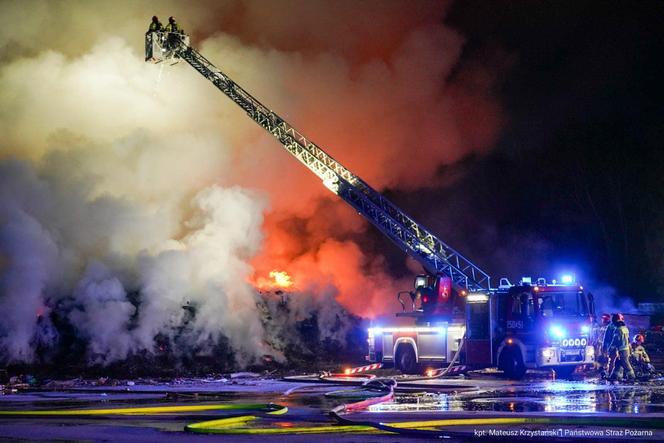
(77, 292)
(311, 329)
(183, 298)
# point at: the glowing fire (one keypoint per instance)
(277, 280)
(281, 278)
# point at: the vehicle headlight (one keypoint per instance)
(548, 353)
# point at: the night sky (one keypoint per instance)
(576, 179)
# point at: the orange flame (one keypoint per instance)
(277, 280)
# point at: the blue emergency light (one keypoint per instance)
(567, 279)
(557, 331)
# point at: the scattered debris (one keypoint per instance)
(239, 375)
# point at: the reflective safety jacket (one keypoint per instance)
(608, 337)
(155, 27)
(640, 354)
(620, 339)
(174, 27)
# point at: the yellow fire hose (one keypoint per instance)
(238, 424)
(153, 410)
(428, 428)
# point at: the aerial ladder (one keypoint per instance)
(514, 327)
(437, 257)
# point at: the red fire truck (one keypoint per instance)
(514, 327)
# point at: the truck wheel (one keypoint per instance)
(564, 371)
(406, 360)
(511, 363)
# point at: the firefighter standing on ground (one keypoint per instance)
(621, 342)
(640, 358)
(609, 353)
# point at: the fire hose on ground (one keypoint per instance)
(152, 410)
(444, 372)
(376, 391)
(425, 428)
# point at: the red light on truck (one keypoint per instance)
(444, 287)
(425, 299)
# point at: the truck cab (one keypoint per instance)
(542, 326)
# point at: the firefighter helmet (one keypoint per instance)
(615, 318)
(638, 338)
(606, 318)
(171, 19)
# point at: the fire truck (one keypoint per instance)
(453, 308)
(546, 325)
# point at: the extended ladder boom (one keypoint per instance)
(435, 255)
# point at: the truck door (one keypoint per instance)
(478, 330)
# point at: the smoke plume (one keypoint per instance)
(129, 190)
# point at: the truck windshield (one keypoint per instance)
(563, 304)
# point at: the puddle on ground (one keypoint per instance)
(600, 398)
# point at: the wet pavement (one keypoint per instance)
(600, 404)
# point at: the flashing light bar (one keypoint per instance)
(477, 298)
(567, 279)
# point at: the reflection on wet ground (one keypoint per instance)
(485, 395)
(308, 403)
(554, 396)
(78, 397)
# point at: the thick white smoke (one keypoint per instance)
(49, 262)
(102, 314)
(121, 198)
(29, 259)
(118, 185)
